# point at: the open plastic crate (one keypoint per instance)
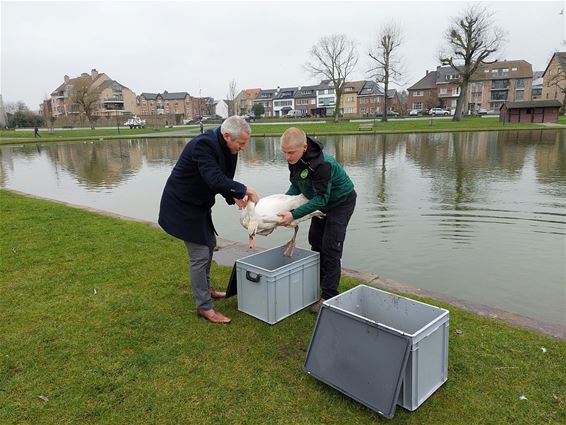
(380, 349)
(272, 286)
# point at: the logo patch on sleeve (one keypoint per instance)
(304, 174)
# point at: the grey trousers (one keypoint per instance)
(200, 260)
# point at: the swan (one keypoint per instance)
(262, 219)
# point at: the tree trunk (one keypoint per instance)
(385, 87)
(337, 104)
(461, 102)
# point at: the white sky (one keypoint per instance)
(199, 47)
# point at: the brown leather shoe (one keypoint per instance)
(216, 294)
(315, 308)
(213, 316)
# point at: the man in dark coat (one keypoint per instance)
(320, 178)
(205, 168)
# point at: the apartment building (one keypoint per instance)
(114, 98)
(554, 78)
(448, 88)
(496, 83)
(325, 99)
(244, 101)
(176, 105)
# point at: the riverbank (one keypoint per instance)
(274, 129)
(99, 326)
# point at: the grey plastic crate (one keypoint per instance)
(272, 286)
(380, 349)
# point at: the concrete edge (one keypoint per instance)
(370, 279)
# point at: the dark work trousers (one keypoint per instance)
(326, 236)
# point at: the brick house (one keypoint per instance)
(265, 97)
(115, 98)
(305, 99)
(349, 98)
(244, 101)
(177, 106)
(554, 78)
(423, 95)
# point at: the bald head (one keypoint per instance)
(293, 144)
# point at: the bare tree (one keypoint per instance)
(86, 97)
(386, 66)
(232, 93)
(557, 79)
(472, 39)
(334, 58)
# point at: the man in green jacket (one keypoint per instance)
(320, 178)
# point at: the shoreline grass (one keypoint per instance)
(344, 127)
(99, 327)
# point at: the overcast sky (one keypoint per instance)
(200, 46)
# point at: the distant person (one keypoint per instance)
(205, 168)
(36, 132)
(323, 181)
(201, 127)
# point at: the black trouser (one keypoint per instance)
(326, 236)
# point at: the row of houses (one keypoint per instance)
(117, 99)
(490, 87)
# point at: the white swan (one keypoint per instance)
(262, 219)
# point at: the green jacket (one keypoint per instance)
(320, 178)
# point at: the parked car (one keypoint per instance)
(415, 112)
(296, 113)
(389, 114)
(135, 122)
(194, 120)
(212, 118)
(482, 111)
(438, 111)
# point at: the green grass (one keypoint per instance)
(394, 125)
(97, 316)
(79, 133)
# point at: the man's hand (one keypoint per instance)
(252, 195)
(285, 218)
(242, 203)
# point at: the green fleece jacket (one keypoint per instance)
(320, 178)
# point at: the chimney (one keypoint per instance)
(67, 79)
(426, 72)
(84, 74)
(93, 73)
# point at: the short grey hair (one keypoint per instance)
(235, 125)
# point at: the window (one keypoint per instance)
(443, 90)
(521, 83)
(456, 91)
(348, 110)
(350, 99)
(500, 84)
(418, 105)
(418, 93)
(513, 69)
(519, 94)
(363, 100)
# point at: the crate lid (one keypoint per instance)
(367, 363)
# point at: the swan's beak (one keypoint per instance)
(251, 242)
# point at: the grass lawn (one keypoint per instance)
(394, 125)
(79, 133)
(99, 326)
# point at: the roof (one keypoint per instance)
(285, 93)
(149, 96)
(250, 93)
(391, 92)
(443, 72)
(266, 94)
(427, 82)
(524, 70)
(370, 88)
(355, 85)
(301, 91)
(560, 56)
(175, 95)
(63, 85)
(533, 104)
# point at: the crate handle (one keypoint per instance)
(251, 278)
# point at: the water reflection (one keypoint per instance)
(467, 214)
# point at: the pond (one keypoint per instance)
(476, 216)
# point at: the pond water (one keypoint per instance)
(476, 216)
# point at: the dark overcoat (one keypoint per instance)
(205, 168)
